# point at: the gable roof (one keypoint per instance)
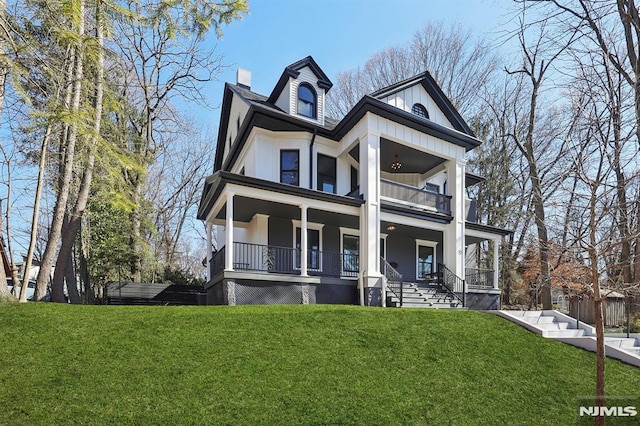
(293, 71)
(433, 89)
(263, 113)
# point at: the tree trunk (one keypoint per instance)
(66, 176)
(597, 300)
(36, 211)
(70, 230)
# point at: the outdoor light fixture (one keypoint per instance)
(391, 227)
(396, 165)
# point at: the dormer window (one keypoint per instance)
(420, 110)
(307, 101)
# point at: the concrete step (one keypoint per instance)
(553, 325)
(622, 343)
(530, 316)
(544, 319)
(565, 333)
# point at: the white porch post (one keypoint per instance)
(209, 250)
(228, 264)
(370, 217)
(496, 263)
(454, 256)
(303, 240)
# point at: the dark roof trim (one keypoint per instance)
(378, 107)
(488, 228)
(433, 89)
(293, 71)
(471, 179)
(227, 98)
(366, 104)
(216, 182)
(417, 214)
(445, 105)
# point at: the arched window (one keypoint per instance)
(307, 101)
(420, 110)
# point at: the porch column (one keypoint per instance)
(228, 262)
(454, 235)
(370, 216)
(209, 251)
(303, 240)
(496, 262)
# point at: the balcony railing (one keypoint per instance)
(417, 196)
(479, 278)
(286, 260)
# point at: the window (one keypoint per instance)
(313, 248)
(354, 179)
(420, 110)
(431, 187)
(326, 173)
(306, 101)
(350, 253)
(426, 261)
(290, 167)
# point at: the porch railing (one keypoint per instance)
(286, 260)
(439, 202)
(452, 283)
(479, 278)
(217, 262)
(393, 278)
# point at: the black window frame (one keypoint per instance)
(293, 170)
(420, 110)
(323, 178)
(313, 101)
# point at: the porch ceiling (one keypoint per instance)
(410, 232)
(413, 161)
(245, 208)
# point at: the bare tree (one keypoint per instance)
(158, 67)
(539, 51)
(461, 63)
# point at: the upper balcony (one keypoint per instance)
(416, 197)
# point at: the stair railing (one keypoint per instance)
(393, 279)
(452, 283)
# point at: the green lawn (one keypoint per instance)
(65, 364)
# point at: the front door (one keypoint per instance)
(425, 262)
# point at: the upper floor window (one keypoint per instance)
(326, 173)
(420, 110)
(307, 101)
(290, 166)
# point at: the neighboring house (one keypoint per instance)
(370, 209)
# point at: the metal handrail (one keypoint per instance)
(399, 191)
(452, 283)
(394, 279)
(479, 278)
(286, 260)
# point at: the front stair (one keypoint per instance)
(558, 326)
(422, 295)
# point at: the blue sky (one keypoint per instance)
(339, 34)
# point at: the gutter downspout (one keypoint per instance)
(313, 139)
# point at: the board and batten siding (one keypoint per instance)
(406, 98)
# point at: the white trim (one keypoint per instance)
(352, 233)
(384, 237)
(310, 226)
(425, 243)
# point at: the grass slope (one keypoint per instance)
(65, 364)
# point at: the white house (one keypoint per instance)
(370, 209)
